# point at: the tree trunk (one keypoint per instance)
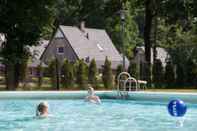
(155, 40)
(12, 76)
(147, 30)
(147, 41)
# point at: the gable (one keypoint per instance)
(94, 43)
(58, 48)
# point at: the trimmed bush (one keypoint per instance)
(67, 74)
(169, 75)
(118, 71)
(133, 70)
(158, 73)
(190, 73)
(92, 73)
(107, 76)
(81, 74)
(40, 71)
(52, 73)
(23, 70)
(180, 75)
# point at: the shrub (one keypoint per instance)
(81, 74)
(92, 73)
(52, 73)
(158, 73)
(118, 71)
(180, 75)
(107, 74)
(190, 72)
(67, 74)
(169, 75)
(133, 70)
(23, 71)
(40, 71)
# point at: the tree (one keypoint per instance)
(40, 71)
(92, 73)
(68, 74)
(190, 74)
(81, 77)
(52, 71)
(103, 14)
(113, 25)
(24, 22)
(180, 75)
(169, 75)
(133, 70)
(158, 73)
(107, 74)
(147, 33)
(23, 72)
(118, 71)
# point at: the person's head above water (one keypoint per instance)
(42, 109)
(90, 91)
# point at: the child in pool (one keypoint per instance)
(92, 97)
(42, 109)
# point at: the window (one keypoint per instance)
(100, 48)
(60, 50)
(87, 59)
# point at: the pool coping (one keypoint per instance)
(138, 95)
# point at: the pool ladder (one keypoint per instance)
(125, 84)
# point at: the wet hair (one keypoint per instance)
(90, 90)
(41, 107)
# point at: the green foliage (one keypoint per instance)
(52, 71)
(23, 22)
(102, 14)
(107, 75)
(180, 75)
(164, 23)
(40, 71)
(68, 74)
(23, 71)
(131, 31)
(169, 76)
(118, 71)
(133, 70)
(92, 73)
(158, 73)
(81, 76)
(190, 74)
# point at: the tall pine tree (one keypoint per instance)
(107, 74)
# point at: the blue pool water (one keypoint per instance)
(77, 115)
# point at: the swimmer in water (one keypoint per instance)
(42, 109)
(92, 97)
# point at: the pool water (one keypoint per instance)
(77, 115)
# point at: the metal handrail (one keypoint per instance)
(130, 80)
(121, 80)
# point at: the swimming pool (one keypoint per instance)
(111, 115)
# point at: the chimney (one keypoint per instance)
(82, 26)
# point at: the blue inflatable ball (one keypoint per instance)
(177, 108)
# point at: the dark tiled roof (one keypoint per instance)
(93, 43)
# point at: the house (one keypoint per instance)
(139, 55)
(73, 43)
(139, 59)
(36, 53)
(2, 39)
(34, 61)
